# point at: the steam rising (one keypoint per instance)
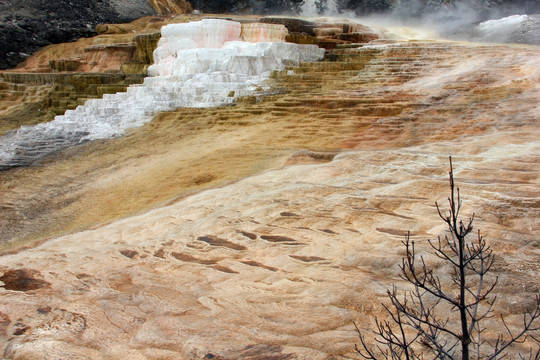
(455, 19)
(470, 20)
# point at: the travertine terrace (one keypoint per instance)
(263, 230)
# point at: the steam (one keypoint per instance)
(468, 10)
(454, 19)
(466, 20)
(318, 7)
(445, 21)
(469, 20)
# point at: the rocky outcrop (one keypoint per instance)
(124, 48)
(325, 33)
(27, 25)
(293, 25)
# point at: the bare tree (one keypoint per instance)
(440, 319)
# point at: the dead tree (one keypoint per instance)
(438, 319)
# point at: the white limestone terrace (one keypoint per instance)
(206, 63)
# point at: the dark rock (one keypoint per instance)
(28, 25)
(358, 37)
(328, 44)
(248, 6)
(294, 25)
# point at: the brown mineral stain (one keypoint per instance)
(23, 280)
(216, 241)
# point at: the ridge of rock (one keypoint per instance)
(26, 26)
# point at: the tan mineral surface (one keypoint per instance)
(263, 230)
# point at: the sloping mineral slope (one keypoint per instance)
(309, 193)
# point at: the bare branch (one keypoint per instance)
(418, 321)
